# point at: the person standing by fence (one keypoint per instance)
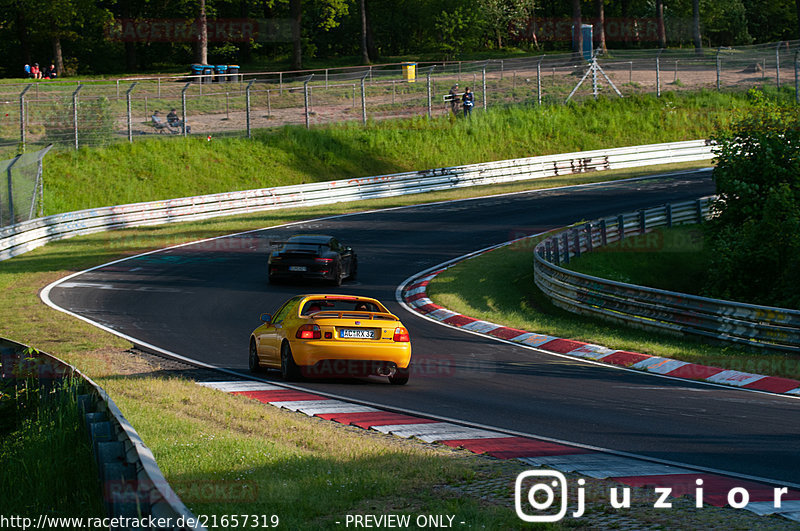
(468, 102)
(454, 99)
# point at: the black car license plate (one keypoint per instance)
(356, 333)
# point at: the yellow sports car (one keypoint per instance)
(332, 336)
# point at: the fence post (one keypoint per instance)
(74, 114)
(11, 190)
(305, 100)
(719, 65)
(539, 79)
(128, 105)
(247, 104)
(280, 83)
(796, 80)
(364, 99)
(183, 106)
(484, 87)
(428, 78)
(658, 73)
(22, 113)
(778, 65)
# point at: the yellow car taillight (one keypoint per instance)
(401, 335)
(308, 331)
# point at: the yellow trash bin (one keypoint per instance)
(410, 72)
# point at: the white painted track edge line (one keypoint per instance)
(45, 297)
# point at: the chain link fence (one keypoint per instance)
(22, 191)
(94, 113)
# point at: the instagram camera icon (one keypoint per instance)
(548, 484)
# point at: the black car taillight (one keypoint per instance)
(308, 331)
(323, 260)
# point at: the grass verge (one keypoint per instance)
(157, 169)
(498, 286)
(48, 467)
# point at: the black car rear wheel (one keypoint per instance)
(289, 369)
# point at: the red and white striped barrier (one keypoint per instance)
(415, 296)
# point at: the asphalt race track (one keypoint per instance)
(201, 301)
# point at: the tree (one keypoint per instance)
(364, 48)
(577, 33)
(296, 14)
(601, 25)
(755, 235)
(698, 43)
(662, 34)
(201, 47)
(501, 18)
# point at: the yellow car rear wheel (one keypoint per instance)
(400, 377)
(289, 369)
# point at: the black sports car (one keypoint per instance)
(313, 257)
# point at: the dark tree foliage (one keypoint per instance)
(756, 232)
(35, 30)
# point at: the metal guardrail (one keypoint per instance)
(23, 237)
(649, 308)
(134, 489)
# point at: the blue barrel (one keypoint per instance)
(221, 71)
(208, 73)
(233, 72)
(197, 70)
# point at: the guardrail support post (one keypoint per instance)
(22, 113)
(577, 243)
(247, 104)
(556, 252)
(589, 236)
(603, 233)
(128, 105)
(621, 227)
(566, 246)
(699, 207)
(183, 106)
(75, 114)
(642, 222)
(668, 214)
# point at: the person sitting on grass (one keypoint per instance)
(159, 124)
(174, 121)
